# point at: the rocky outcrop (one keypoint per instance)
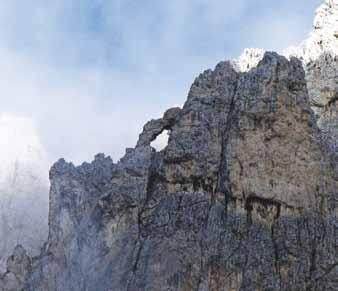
(18, 269)
(156, 126)
(319, 55)
(243, 197)
(248, 59)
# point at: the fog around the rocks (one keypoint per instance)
(82, 77)
(90, 73)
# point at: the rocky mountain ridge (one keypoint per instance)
(243, 197)
(319, 55)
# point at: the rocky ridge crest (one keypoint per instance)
(319, 55)
(243, 197)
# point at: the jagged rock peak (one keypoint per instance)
(323, 40)
(244, 176)
(324, 37)
(319, 54)
(249, 59)
(243, 197)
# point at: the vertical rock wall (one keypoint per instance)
(243, 198)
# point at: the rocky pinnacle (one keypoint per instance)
(242, 198)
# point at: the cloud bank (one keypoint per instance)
(81, 77)
(23, 187)
(90, 73)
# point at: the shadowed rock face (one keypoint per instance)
(242, 198)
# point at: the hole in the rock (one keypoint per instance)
(161, 141)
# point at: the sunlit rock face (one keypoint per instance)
(324, 36)
(248, 59)
(319, 55)
(23, 187)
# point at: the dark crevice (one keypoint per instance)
(135, 265)
(223, 182)
(202, 246)
(152, 180)
(265, 202)
(137, 259)
(276, 253)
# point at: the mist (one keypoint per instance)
(82, 77)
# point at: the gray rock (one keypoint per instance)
(18, 269)
(319, 55)
(243, 198)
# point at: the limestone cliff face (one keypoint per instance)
(319, 55)
(243, 197)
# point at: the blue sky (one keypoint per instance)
(89, 73)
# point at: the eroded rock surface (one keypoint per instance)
(18, 269)
(319, 55)
(242, 198)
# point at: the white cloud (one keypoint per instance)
(81, 77)
(20, 142)
(90, 73)
(23, 186)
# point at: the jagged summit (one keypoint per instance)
(319, 54)
(248, 59)
(244, 186)
(324, 37)
(322, 40)
(242, 198)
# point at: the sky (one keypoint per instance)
(89, 73)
